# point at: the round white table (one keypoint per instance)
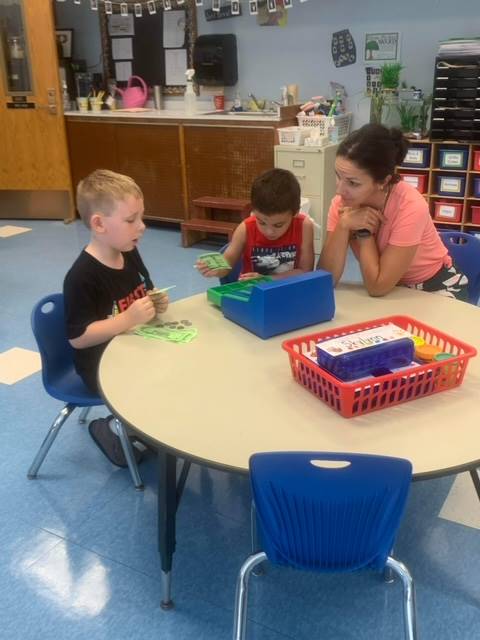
(229, 394)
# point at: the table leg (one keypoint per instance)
(167, 506)
(476, 481)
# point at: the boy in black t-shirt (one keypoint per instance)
(105, 290)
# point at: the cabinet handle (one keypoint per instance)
(300, 177)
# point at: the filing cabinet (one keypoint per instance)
(314, 168)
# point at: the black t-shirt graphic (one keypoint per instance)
(93, 291)
(269, 260)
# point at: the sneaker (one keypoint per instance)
(109, 443)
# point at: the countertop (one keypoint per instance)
(285, 117)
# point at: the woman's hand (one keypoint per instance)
(354, 219)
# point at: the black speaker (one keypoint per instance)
(215, 60)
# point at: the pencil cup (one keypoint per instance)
(82, 104)
(95, 104)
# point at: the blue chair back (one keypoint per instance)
(234, 273)
(465, 250)
(60, 379)
(340, 516)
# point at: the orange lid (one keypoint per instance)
(426, 352)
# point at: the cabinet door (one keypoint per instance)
(224, 161)
(307, 167)
(91, 146)
(150, 154)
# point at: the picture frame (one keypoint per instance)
(382, 47)
(65, 41)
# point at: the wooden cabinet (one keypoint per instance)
(314, 168)
(150, 154)
(448, 174)
(224, 161)
(174, 161)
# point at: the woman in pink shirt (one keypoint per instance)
(386, 221)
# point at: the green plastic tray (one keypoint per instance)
(240, 289)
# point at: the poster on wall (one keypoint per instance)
(271, 14)
(343, 48)
(382, 46)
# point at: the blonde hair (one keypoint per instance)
(101, 191)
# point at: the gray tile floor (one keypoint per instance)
(78, 545)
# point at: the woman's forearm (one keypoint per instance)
(369, 260)
(334, 252)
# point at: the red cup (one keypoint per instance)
(219, 102)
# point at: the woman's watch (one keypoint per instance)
(361, 233)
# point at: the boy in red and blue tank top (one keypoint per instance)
(276, 240)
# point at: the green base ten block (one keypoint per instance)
(241, 289)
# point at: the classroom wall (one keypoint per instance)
(270, 57)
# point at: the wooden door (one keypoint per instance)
(34, 168)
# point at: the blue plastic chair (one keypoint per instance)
(327, 512)
(465, 250)
(62, 382)
(234, 273)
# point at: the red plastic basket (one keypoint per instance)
(357, 398)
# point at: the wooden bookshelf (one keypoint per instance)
(432, 172)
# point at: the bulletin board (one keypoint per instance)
(158, 47)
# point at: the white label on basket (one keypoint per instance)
(446, 211)
(452, 159)
(414, 156)
(452, 185)
(413, 180)
(363, 339)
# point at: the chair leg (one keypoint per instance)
(49, 439)
(82, 418)
(130, 458)
(241, 595)
(409, 608)
(388, 573)
(258, 570)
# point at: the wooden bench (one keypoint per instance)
(209, 213)
(194, 230)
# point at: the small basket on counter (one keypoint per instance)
(336, 127)
(292, 136)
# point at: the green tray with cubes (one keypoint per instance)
(241, 289)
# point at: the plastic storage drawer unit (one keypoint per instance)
(476, 160)
(451, 186)
(417, 157)
(366, 353)
(476, 187)
(448, 211)
(453, 158)
(475, 215)
(417, 180)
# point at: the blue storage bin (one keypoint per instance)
(451, 185)
(476, 187)
(453, 158)
(418, 156)
(271, 308)
(365, 361)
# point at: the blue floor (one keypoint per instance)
(78, 545)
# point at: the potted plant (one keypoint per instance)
(423, 114)
(408, 117)
(390, 77)
(376, 107)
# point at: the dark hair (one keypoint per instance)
(375, 149)
(275, 191)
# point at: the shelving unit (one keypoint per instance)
(467, 200)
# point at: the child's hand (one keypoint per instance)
(205, 271)
(141, 311)
(249, 276)
(160, 302)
